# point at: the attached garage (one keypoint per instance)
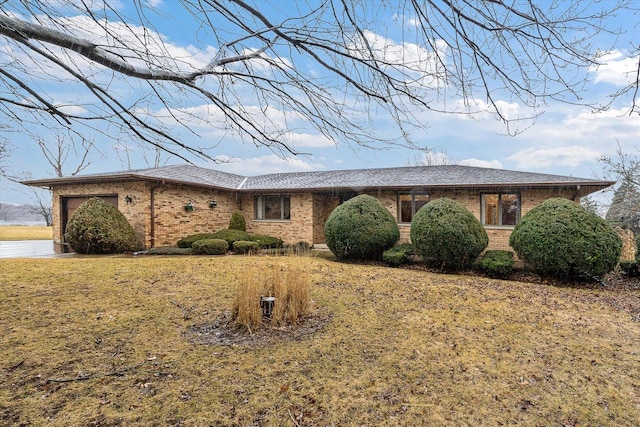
(69, 204)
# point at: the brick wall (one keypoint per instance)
(171, 221)
(298, 228)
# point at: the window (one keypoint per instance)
(273, 207)
(500, 209)
(409, 204)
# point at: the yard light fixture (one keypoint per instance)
(213, 204)
(128, 199)
(266, 304)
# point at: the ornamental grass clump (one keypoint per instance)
(560, 238)
(288, 282)
(361, 229)
(446, 235)
(97, 227)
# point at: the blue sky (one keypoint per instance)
(563, 139)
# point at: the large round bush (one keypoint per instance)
(446, 235)
(361, 229)
(560, 238)
(98, 227)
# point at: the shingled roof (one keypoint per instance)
(448, 176)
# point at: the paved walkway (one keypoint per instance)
(29, 249)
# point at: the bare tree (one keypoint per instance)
(624, 167)
(318, 63)
(431, 157)
(625, 206)
(57, 155)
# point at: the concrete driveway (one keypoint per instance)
(30, 249)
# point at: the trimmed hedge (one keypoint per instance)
(266, 242)
(245, 247)
(210, 247)
(446, 235)
(237, 222)
(398, 255)
(97, 227)
(169, 250)
(361, 229)
(496, 263)
(560, 238)
(231, 236)
(187, 242)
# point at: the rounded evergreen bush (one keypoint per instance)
(560, 238)
(361, 229)
(210, 247)
(97, 227)
(237, 222)
(446, 235)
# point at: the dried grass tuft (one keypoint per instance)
(288, 282)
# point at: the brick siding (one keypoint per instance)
(309, 211)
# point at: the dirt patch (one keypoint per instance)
(224, 331)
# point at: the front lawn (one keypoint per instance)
(25, 232)
(132, 341)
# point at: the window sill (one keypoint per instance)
(272, 220)
(499, 227)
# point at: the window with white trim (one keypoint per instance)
(409, 204)
(273, 207)
(500, 209)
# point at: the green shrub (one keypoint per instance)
(210, 247)
(398, 255)
(169, 250)
(361, 229)
(496, 263)
(231, 236)
(98, 227)
(630, 268)
(186, 242)
(237, 222)
(560, 238)
(446, 235)
(638, 248)
(245, 247)
(266, 242)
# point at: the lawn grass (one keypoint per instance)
(25, 232)
(103, 341)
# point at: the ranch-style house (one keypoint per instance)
(167, 203)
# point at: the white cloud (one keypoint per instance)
(271, 163)
(617, 69)
(568, 156)
(495, 164)
(413, 64)
(309, 140)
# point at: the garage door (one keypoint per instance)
(69, 204)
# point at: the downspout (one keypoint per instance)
(152, 213)
(575, 195)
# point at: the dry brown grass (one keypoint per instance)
(25, 232)
(102, 341)
(287, 280)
